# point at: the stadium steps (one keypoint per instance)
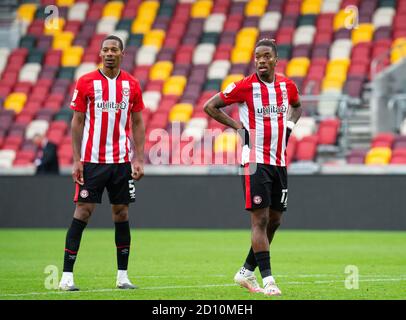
(359, 128)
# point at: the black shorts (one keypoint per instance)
(266, 187)
(115, 177)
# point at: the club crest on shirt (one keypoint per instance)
(126, 92)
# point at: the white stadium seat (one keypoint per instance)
(195, 133)
(330, 6)
(78, 11)
(106, 25)
(328, 107)
(151, 99)
(146, 56)
(269, 21)
(403, 128)
(306, 126)
(4, 53)
(341, 49)
(197, 123)
(84, 68)
(29, 72)
(214, 23)
(304, 35)
(6, 158)
(36, 127)
(122, 34)
(203, 53)
(383, 17)
(218, 69)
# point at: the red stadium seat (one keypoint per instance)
(307, 148)
(328, 131)
(285, 35)
(233, 22)
(398, 156)
(291, 150)
(385, 139)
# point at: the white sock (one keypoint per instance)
(122, 275)
(67, 276)
(248, 273)
(268, 279)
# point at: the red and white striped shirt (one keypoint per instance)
(108, 104)
(263, 110)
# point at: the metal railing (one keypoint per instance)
(345, 105)
(398, 104)
(375, 63)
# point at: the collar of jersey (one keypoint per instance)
(118, 74)
(267, 83)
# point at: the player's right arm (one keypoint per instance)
(77, 126)
(232, 94)
(212, 108)
(79, 106)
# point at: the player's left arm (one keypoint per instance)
(294, 110)
(138, 133)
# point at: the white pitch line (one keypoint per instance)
(194, 286)
(330, 275)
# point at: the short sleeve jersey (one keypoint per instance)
(263, 111)
(108, 104)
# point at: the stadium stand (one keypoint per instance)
(183, 52)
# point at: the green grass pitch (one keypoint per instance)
(200, 264)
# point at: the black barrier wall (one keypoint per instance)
(374, 202)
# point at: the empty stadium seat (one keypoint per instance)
(398, 157)
(306, 126)
(201, 9)
(77, 12)
(378, 156)
(185, 51)
(385, 139)
(225, 142)
(298, 67)
(151, 99)
(270, 21)
(229, 79)
(218, 69)
(214, 22)
(255, 8)
(328, 105)
(146, 55)
(328, 131)
(36, 127)
(304, 35)
(356, 156)
(306, 148)
(203, 53)
(29, 72)
(6, 158)
(181, 112)
(364, 33)
(174, 85)
(161, 70)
